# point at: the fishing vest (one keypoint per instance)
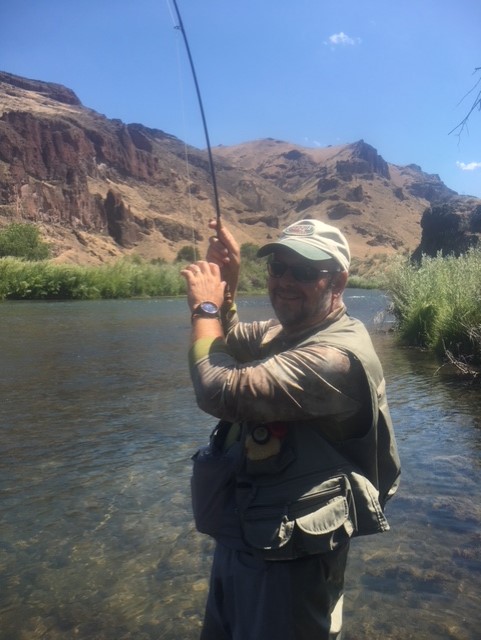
(313, 494)
(316, 494)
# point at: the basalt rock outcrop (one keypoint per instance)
(99, 188)
(450, 228)
(117, 187)
(365, 162)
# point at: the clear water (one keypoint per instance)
(98, 424)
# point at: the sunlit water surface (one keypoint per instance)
(98, 424)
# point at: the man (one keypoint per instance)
(304, 456)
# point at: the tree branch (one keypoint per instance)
(476, 105)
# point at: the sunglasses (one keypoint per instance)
(300, 272)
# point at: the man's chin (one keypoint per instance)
(288, 317)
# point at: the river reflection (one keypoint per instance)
(98, 425)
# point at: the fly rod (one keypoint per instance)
(180, 26)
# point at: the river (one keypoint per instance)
(98, 424)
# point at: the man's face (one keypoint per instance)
(300, 305)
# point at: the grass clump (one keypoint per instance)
(27, 280)
(369, 272)
(438, 304)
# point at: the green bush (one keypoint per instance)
(131, 277)
(438, 303)
(188, 253)
(23, 241)
(21, 279)
(249, 251)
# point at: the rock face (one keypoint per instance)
(450, 228)
(365, 162)
(56, 92)
(100, 188)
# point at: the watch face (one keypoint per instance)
(209, 307)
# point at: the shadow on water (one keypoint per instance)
(98, 425)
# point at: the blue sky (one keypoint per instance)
(312, 72)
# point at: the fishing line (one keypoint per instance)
(186, 154)
(180, 26)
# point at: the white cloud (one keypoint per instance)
(312, 143)
(470, 166)
(342, 39)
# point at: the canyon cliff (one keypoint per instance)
(100, 189)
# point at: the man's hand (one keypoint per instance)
(203, 283)
(225, 253)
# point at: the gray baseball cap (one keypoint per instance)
(314, 240)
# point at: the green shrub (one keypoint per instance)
(23, 241)
(188, 253)
(21, 279)
(130, 277)
(249, 251)
(438, 303)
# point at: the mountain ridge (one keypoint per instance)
(100, 189)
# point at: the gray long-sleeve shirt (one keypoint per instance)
(259, 374)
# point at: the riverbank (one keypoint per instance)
(25, 280)
(127, 278)
(437, 304)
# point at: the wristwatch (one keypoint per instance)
(206, 309)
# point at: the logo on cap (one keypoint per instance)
(299, 230)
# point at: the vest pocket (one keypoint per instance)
(213, 485)
(314, 520)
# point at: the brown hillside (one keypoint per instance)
(377, 205)
(100, 189)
